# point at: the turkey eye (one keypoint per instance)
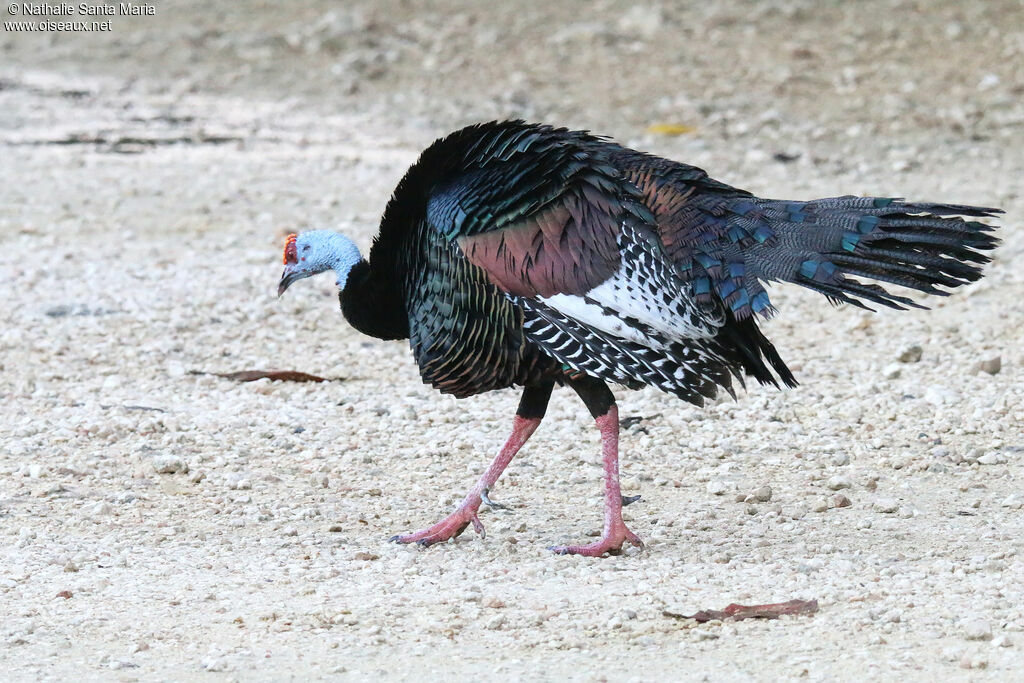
(305, 248)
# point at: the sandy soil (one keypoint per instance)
(159, 524)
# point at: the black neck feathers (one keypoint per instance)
(373, 305)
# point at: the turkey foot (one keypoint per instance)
(602, 405)
(528, 416)
(610, 542)
(449, 527)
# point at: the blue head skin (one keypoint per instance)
(314, 252)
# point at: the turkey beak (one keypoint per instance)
(287, 278)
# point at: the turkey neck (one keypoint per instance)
(373, 304)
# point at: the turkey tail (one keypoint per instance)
(832, 245)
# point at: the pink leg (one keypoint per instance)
(466, 514)
(615, 531)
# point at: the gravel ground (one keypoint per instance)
(160, 524)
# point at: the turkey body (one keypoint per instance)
(515, 254)
(512, 254)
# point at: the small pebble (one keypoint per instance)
(988, 81)
(215, 664)
(496, 623)
(118, 664)
(839, 500)
(839, 481)
(911, 354)
(820, 504)
(969, 661)
(167, 463)
(991, 459)
(102, 508)
(759, 495)
(716, 487)
(886, 505)
(1012, 501)
(238, 481)
(977, 629)
(992, 366)
(952, 653)
(901, 462)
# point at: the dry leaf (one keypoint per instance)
(253, 375)
(740, 612)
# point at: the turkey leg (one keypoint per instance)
(601, 403)
(532, 407)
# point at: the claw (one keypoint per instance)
(626, 500)
(448, 528)
(466, 514)
(611, 542)
(490, 503)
